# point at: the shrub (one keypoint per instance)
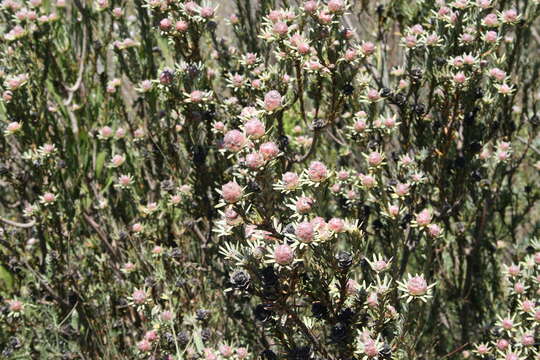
(269, 179)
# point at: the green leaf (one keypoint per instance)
(6, 279)
(100, 161)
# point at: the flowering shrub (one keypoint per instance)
(269, 179)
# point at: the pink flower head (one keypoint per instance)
(507, 324)
(291, 180)
(360, 125)
(49, 198)
(305, 232)
(368, 48)
(317, 171)
(519, 288)
(207, 12)
(424, 218)
(375, 158)
(434, 230)
(272, 100)
(460, 78)
(167, 315)
(350, 54)
(537, 258)
(417, 286)
(165, 24)
(234, 140)
(335, 6)
(254, 160)
(502, 344)
(510, 16)
(527, 340)
(402, 189)
(151, 335)
(491, 36)
(304, 204)
(336, 225)
(225, 351)
(232, 192)
(372, 299)
(370, 348)
(367, 180)
(15, 306)
(513, 270)
(181, 26)
(255, 128)
(310, 6)
(241, 353)
(491, 20)
(269, 150)
(280, 28)
(139, 297)
(373, 95)
(393, 210)
(352, 286)
(283, 254)
(144, 345)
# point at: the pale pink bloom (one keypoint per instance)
(372, 299)
(507, 324)
(527, 340)
(181, 26)
(410, 41)
(13, 127)
(350, 54)
(196, 96)
(15, 306)
(241, 353)
(48, 198)
(417, 286)
(254, 160)
(137, 227)
(283, 254)
(304, 204)
(310, 6)
(225, 351)
(368, 180)
(352, 286)
(305, 232)
(360, 125)
(325, 17)
(424, 218)
(519, 288)
(510, 16)
(502, 344)
(255, 128)
(165, 24)
(151, 335)
(491, 20)
(144, 345)
(370, 348)
(527, 306)
(272, 100)
(491, 36)
(537, 258)
(373, 95)
(317, 171)
(402, 189)
(167, 315)
(118, 160)
(335, 5)
(231, 192)
(460, 78)
(207, 12)
(280, 28)
(375, 158)
(513, 270)
(291, 180)
(234, 140)
(368, 48)
(434, 230)
(139, 296)
(379, 265)
(482, 349)
(269, 150)
(393, 210)
(336, 225)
